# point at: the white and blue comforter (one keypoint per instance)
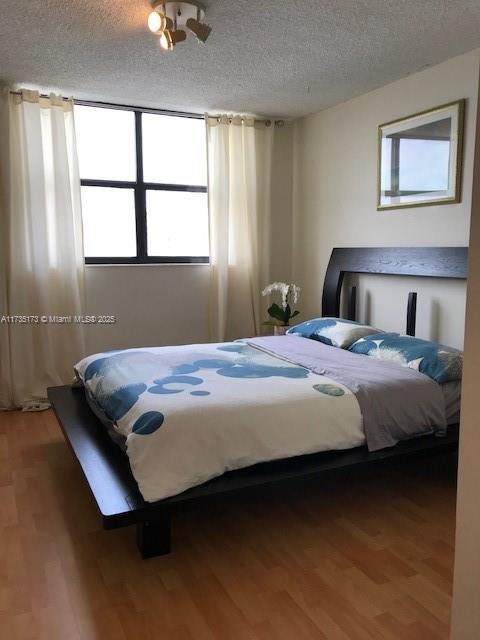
(190, 413)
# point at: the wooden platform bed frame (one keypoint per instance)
(106, 467)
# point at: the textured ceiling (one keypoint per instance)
(270, 57)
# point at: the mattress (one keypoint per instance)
(187, 414)
(452, 393)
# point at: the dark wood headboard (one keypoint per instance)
(435, 262)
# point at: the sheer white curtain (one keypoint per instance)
(239, 186)
(41, 250)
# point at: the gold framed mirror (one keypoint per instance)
(420, 158)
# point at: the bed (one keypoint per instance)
(268, 370)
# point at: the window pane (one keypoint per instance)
(174, 150)
(424, 165)
(109, 226)
(105, 143)
(177, 223)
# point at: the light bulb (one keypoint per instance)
(169, 38)
(166, 41)
(157, 22)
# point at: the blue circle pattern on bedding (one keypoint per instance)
(148, 423)
(329, 390)
(441, 363)
(141, 366)
(118, 402)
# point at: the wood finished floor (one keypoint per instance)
(365, 556)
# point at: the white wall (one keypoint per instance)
(326, 164)
(335, 200)
(466, 609)
(153, 305)
(168, 304)
(281, 203)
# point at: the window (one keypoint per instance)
(144, 193)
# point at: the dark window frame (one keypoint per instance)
(140, 188)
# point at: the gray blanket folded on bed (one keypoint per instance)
(397, 403)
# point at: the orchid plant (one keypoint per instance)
(282, 314)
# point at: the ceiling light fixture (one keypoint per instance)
(157, 22)
(202, 31)
(170, 38)
(166, 41)
(168, 18)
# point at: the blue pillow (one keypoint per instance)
(335, 332)
(442, 364)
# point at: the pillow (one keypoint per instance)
(335, 332)
(442, 364)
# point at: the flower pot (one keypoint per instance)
(280, 331)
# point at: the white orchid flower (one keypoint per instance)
(286, 290)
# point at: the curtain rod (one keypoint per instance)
(111, 105)
(40, 95)
(267, 123)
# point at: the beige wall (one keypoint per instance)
(326, 164)
(168, 304)
(466, 602)
(335, 200)
(282, 194)
(153, 305)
